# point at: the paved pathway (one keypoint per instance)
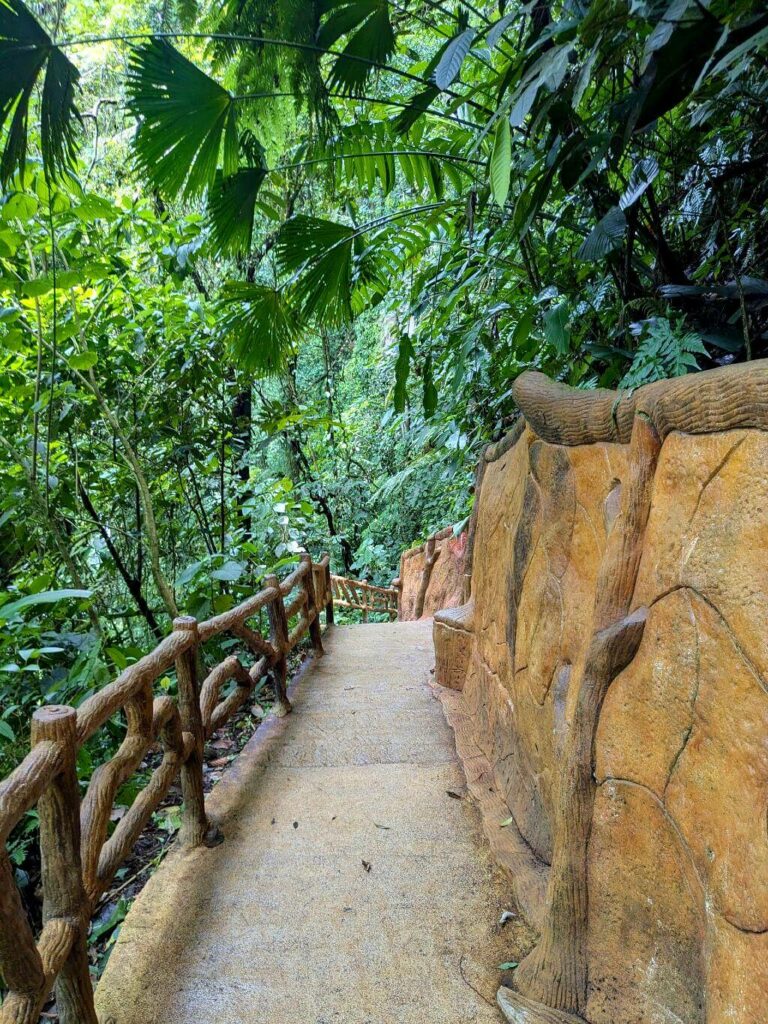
(351, 888)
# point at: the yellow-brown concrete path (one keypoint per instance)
(351, 887)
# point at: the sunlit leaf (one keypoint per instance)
(186, 120)
(370, 43)
(641, 179)
(449, 65)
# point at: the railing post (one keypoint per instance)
(312, 612)
(328, 592)
(62, 880)
(194, 824)
(364, 599)
(278, 636)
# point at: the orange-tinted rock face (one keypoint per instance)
(446, 576)
(677, 868)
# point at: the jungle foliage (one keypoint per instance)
(269, 267)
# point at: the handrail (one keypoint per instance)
(79, 862)
(349, 593)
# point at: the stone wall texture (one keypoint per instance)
(677, 858)
(446, 576)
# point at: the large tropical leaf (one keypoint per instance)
(59, 116)
(25, 47)
(319, 255)
(258, 326)
(231, 206)
(640, 180)
(186, 120)
(501, 162)
(676, 52)
(449, 65)
(605, 236)
(370, 42)
(417, 106)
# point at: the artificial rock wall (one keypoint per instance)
(432, 575)
(611, 669)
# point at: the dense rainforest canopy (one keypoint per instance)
(268, 269)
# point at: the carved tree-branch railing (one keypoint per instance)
(349, 593)
(79, 862)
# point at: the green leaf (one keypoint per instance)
(402, 369)
(523, 328)
(449, 65)
(430, 391)
(556, 327)
(186, 120)
(641, 179)
(605, 236)
(24, 49)
(19, 206)
(501, 162)
(231, 206)
(322, 250)
(523, 103)
(415, 109)
(83, 360)
(257, 325)
(7, 611)
(369, 47)
(229, 572)
(677, 51)
(509, 965)
(59, 116)
(506, 822)
(497, 31)
(7, 731)
(187, 11)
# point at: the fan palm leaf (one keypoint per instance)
(186, 120)
(258, 326)
(319, 255)
(25, 49)
(367, 25)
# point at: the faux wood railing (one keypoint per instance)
(78, 860)
(349, 593)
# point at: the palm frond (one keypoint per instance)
(59, 115)
(319, 255)
(186, 120)
(187, 12)
(231, 206)
(25, 47)
(258, 326)
(370, 37)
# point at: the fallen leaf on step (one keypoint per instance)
(367, 866)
